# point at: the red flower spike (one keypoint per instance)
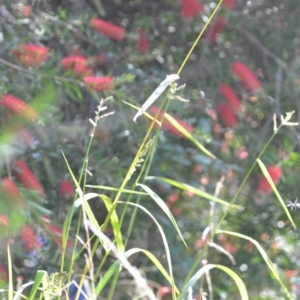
(275, 173)
(110, 30)
(26, 177)
(30, 55)
(78, 64)
(230, 96)
(227, 115)
(3, 220)
(94, 83)
(214, 29)
(143, 43)
(3, 273)
(26, 10)
(19, 107)
(168, 126)
(66, 189)
(164, 291)
(29, 238)
(190, 8)
(229, 4)
(11, 192)
(246, 76)
(54, 231)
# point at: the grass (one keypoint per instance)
(94, 280)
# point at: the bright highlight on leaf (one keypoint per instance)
(159, 90)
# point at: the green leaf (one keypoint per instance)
(180, 128)
(39, 277)
(268, 177)
(196, 191)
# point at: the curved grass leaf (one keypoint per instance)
(264, 256)
(196, 191)
(268, 177)
(164, 207)
(168, 255)
(109, 188)
(195, 279)
(180, 128)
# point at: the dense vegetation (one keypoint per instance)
(202, 189)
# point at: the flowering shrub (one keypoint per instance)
(30, 55)
(19, 107)
(143, 43)
(246, 76)
(78, 64)
(214, 29)
(29, 238)
(230, 96)
(99, 84)
(66, 189)
(227, 115)
(26, 177)
(108, 29)
(190, 8)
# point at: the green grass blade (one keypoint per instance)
(115, 223)
(115, 267)
(145, 113)
(39, 277)
(109, 188)
(195, 279)
(264, 256)
(164, 207)
(196, 191)
(180, 128)
(268, 177)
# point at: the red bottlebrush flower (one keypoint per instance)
(26, 10)
(164, 291)
(78, 64)
(3, 273)
(19, 107)
(26, 177)
(190, 8)
(3, 220)
(29, 238)
(66, 189)
(54, 231)
(31, 55)
(230, 96)
(246, 76)
(94, 83)
(168, 126)
(143, 43)
(110, 30)
(214, 29)
(227, 115)
(228, 4)
(172, 198)
(11, 192)
(275, 173)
